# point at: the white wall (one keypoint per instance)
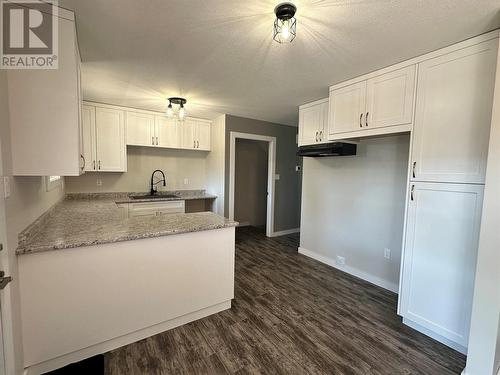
(484, 333)
(216, 163)
(29, 199)
(354, 207)
(142, 161)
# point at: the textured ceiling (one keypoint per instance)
(220, 54)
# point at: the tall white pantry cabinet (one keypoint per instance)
(445, 100)
(447, 173)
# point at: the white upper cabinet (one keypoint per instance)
(88, 135)
(389, 98)
(363, 108)
(313, 119)
(166, 132)
(453, 115)
(347, 108)
(44, 109)
(140, 129)
(195, 134)
(203, 133)
(442, 234)
(104, 139)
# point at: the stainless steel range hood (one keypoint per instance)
(328, 150)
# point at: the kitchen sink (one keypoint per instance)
(156, 196)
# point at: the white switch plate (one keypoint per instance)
(340, 261)
(6, 186)
(387, 253)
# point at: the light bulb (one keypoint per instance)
(170, 111)
(285, 30)
(182, 113)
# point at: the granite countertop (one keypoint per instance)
(181, 195)
(86, 220)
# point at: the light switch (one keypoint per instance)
(6, 186)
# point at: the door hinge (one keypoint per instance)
(4, 280)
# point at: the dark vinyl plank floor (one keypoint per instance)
(291, 315)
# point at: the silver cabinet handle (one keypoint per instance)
(366, 119)
(361, 120)
(83, 166)
(94, 165)
(316, 136)
(321, 135)
(198, 144)
(414, 166)
(157, 141)
(194, 144)
(412, 192)
(99, 165)
(153, 141)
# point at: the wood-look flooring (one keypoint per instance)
(291, 315)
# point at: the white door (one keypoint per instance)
(110, 135)
(453, 115)
(187, 129)
(310, 121)
(203, 130)
(389, 98)
(347, 109)
(167, 131)
(439, 262)
(140, 129)
(89, 140)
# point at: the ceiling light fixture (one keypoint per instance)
(179, 113)
(285, 25)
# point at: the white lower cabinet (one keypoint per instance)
(439, 258)
(104, 139)
(155, 208)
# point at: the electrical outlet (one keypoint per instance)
(99, 182)
(277, 177)
(387, 253)
(6, 187)
(340, 261)
(186, 181)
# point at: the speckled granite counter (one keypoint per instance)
(85, 220)
(181, 195)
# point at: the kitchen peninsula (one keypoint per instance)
(93, 279)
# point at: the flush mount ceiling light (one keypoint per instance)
(179, 112)
(285, 25)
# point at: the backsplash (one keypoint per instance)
(184, 170)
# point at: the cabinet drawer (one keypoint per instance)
(156, 208)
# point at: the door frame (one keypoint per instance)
(271, 173)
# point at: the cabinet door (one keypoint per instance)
(187, 129)
(453, 115)
(310, 122)
(110, 135)
(442, 234)
(347, 108)
(89, 137)
(167, 131)
(389, 98)
(203, 131)
(140, 129)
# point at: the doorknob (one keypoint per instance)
(4, 280)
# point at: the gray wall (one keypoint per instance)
(287, 191)
(250, 182)
(354, 207)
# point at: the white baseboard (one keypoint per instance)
(285, 232)
(435, 336)
(351, 270)
(118, 342)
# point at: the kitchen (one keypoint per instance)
(119, 220)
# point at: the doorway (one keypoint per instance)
(252, 163)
